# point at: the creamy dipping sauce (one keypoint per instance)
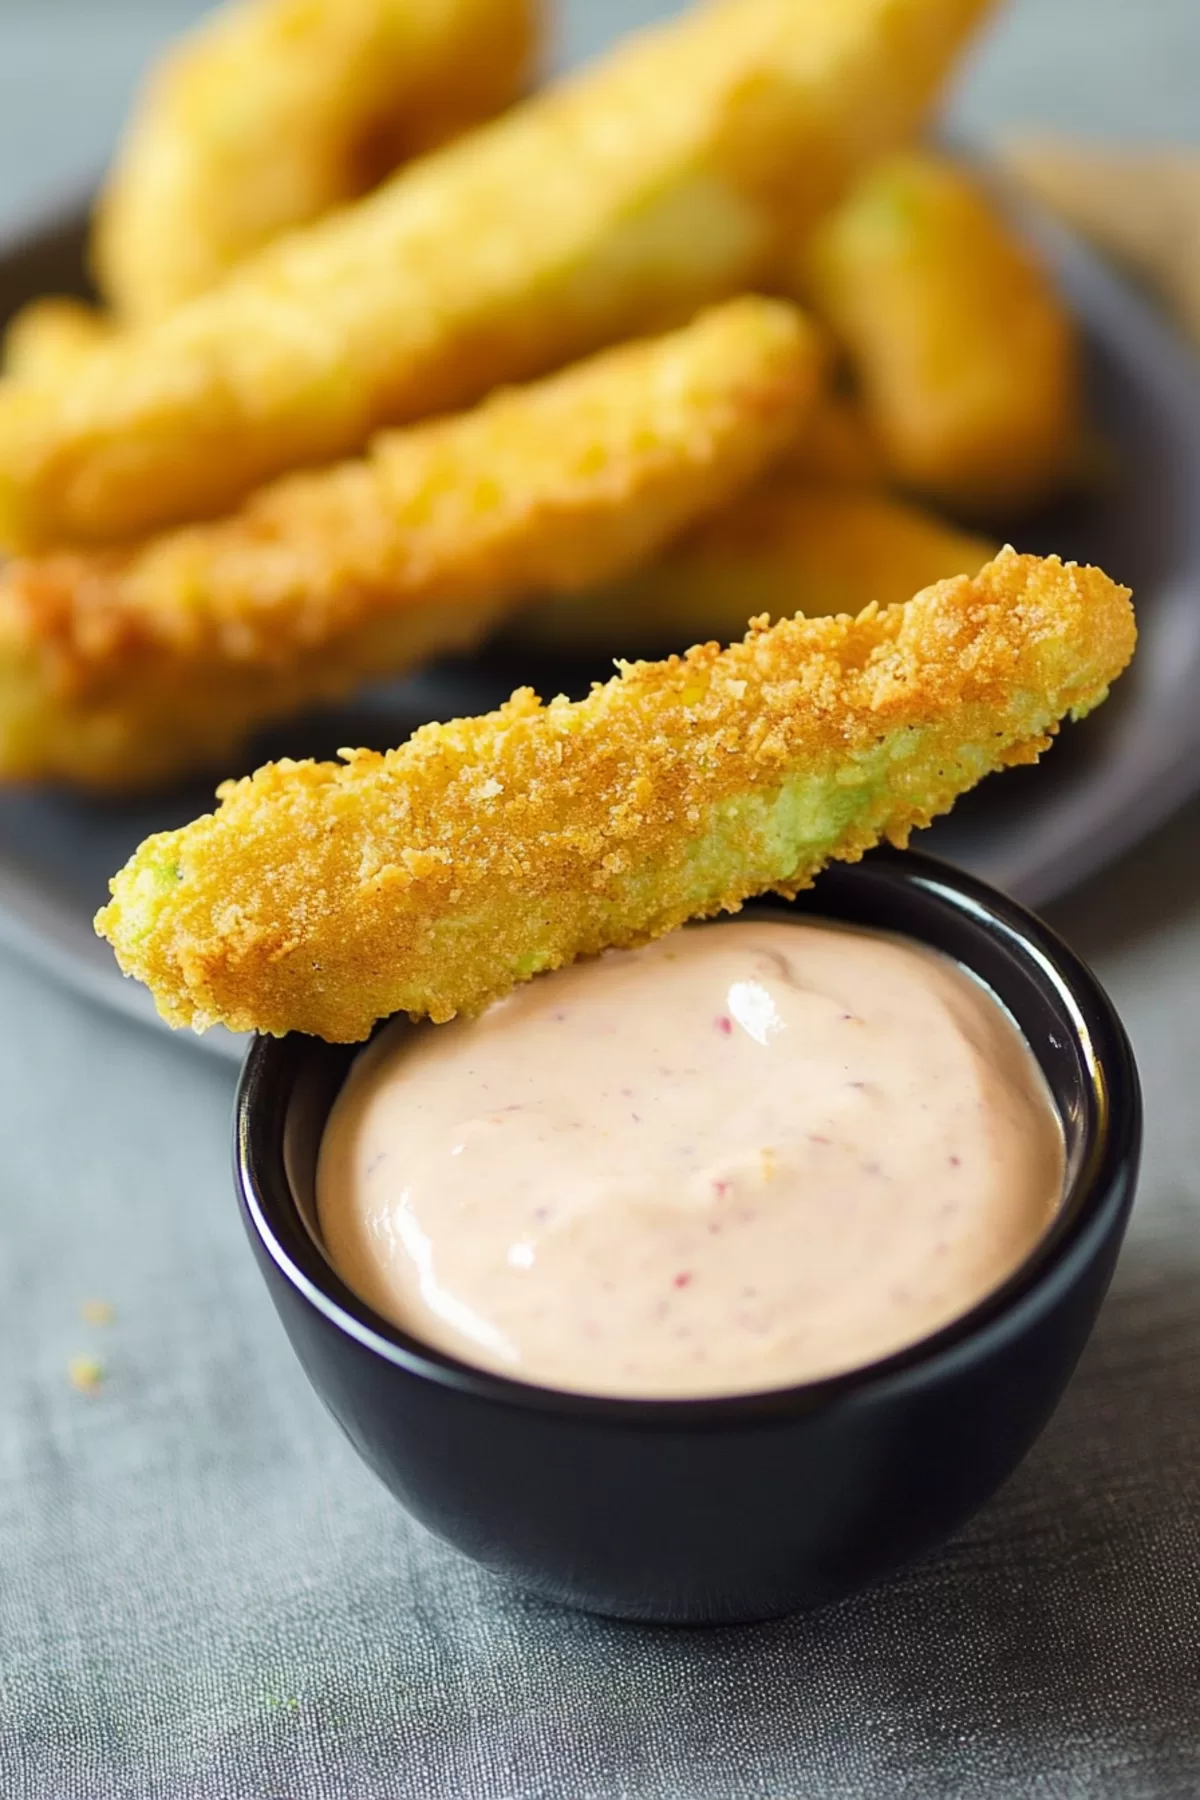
(748, 1155)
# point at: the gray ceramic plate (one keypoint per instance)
(1035, 831)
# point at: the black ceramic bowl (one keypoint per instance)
(739, 1508)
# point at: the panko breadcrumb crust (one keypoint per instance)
(674, 172)
(321, 897)
(120, 668)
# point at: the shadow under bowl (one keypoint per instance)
(745, 1507)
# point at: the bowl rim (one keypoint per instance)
(1097, 1194)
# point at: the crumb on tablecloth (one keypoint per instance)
(85, 1374)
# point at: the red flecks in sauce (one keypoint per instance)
(862, 1159)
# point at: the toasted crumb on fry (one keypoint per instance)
(272, 112)
(673, 173)
(120, 668)
(966, 356)
(788, 546)
(321, 897)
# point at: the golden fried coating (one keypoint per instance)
(272, 112)
(788, 546)
(321, 897)
(1140, 204)
(49, 337)
(675, 172)
(966, 356)
(121, 667)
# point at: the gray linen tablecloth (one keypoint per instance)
(203, 1596)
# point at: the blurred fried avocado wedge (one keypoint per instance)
(966, 356)
(272, 112)
(675, 172)
(788, 546)
(120, 669)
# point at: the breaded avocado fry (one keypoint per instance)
(119, 668)
(787, 546)
(966, 356)
(320, 897)
(272, 112)
(675, 172)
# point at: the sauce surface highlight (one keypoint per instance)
(748, 1155)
